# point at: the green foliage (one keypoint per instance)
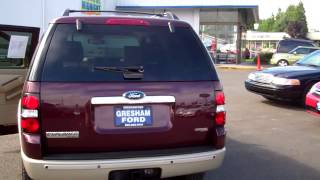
(297, 22)
(293, 21)
(280, 22)
(264, 58)
(266, 25)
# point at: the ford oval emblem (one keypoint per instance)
(134, 95)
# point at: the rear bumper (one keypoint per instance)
(99, 169)
(289, 93)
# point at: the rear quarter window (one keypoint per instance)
(165, 56)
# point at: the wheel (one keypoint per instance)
(24, 174)
(283, 63)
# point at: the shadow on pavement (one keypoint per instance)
(5, 130)
(249, 161)
(284, 105)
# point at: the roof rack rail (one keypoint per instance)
(169, 15)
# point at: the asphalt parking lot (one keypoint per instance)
(266, 140)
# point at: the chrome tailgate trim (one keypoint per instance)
(123, 100)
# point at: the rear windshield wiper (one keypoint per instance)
(129, 72)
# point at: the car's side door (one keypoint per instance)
(17, 45)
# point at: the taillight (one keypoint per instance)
(30, 102)
(30, 131)
(29, 113)
(220, 117)
(219, 98)
(127, 21)
(30, 125)
(220, 120)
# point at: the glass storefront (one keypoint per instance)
(221, 41)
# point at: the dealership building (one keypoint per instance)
(224, 20)
(263, 41)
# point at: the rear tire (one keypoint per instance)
(24, 174)
(283, 62)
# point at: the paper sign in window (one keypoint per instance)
(17, 46)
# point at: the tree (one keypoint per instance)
(293, 21)
(296, 29)
(280, 22)
(266, 25)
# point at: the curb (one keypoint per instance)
(237, 67)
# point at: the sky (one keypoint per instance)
(312, 7)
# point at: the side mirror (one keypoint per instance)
(295, 53)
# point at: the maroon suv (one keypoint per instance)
(121, 96)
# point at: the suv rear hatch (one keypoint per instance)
(126, 85)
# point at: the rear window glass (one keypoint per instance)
(165, 56)
(288, 45)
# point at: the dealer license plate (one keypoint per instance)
(133, 116)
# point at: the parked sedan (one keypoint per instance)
(289, 83)
(313, 98)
